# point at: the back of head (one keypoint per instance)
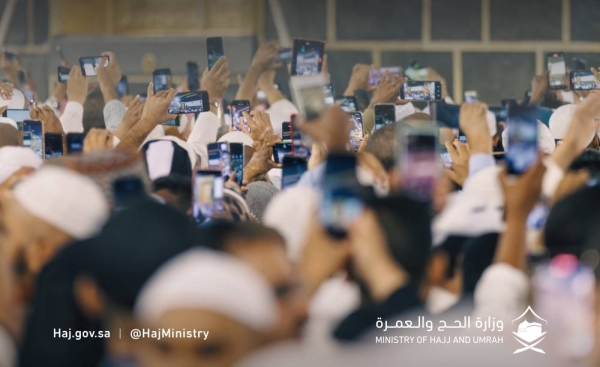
(588, 160)
(417, 117)
(382, 144)
(93, 111)
(179, 189)
(560, 121)
(220, 234)
(9, 136)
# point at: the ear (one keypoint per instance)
(437, 268)
(89, 297)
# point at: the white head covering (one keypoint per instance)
(281, 111)
(7, 121)
(560, 120)
(159, 155)
(546, 142)
(17, 101)
(237, 137)
(208, 280)
(188, 148)
(67, 200)
(13, 159)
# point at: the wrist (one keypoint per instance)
(77, 99)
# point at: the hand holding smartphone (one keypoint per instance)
(33, 137)
(161, 79)
(385, 113)
(421, 91)
(418, 160)
(238, 107)
(90, 63)
(214, 50)
(307, 58)
(190, 102)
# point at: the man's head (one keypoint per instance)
(208, 291)
(93, 111)
(176, 190)
(383, 145)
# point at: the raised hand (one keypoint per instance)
(359, 79)
(388, 89)
(77, 87)
(216, 80)
(155, 109)
(97, 139)
(48, 118)
(131, 117)
(473, 122)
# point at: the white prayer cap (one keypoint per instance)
(213, 281)
(183, 144)
(237, 137)
(7, 121)
(560, 120)
(65, 199)
(295, 205)
(281, 111)
(491, 121)
(13, 159)
(17, 101)
(546, 142)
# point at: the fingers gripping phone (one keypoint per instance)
(90, 63)
(63, 74)
(191, 102)
(280, 150)
(583, 80)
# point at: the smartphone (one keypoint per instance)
(190, 102)
(89, 64)
(557, 70)
(123, 86)
(418, 160)
(341, 204)
(17, 115)
(347, 104)
(416, 72)
(236, 152)
(308, 94)
(75, 142)
(219, 158)
(53, 145)
(385, 113)
(582, 80)
(329, 95)
(238, 107)
(174, 122)
(563, 284)
(286, 132)
(280, 150)
(193, 75)
(376, 74)
(362, 99)
(161, 79)
(33, 137)
(285, 55)
(356, 134)
(471, 96)
(448, 115)
(214, 50)
(299, 145)
(499, 112)
(63, 74)
(293, 169)
(579, 64)
(522, 139)
(307, 57)
(127, 191)
(421, 91)
(208, 194)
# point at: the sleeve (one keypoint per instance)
(113, 114)
(480, 161)
(204, 132)
(502, 292)
(72, 118)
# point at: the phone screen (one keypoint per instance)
(293, 169)
(583, 80)
(32, 137)
(123, 87)
(471, 96)
(236, 151)
(385, 114)
(286, 132)
(89, 64)
(285, 55)
(356, 134)
(557, 69)
(329, 95)
(63, 74)
(238, 108)
(522, 139)
(299, 147)
(375, 74)
(17, 115)
(190, 102)
(162, 79)
(214, 156)
(193, 76)
(214, 50)
(421, 91)
(307, 57)
(127, 191)
(53, 145)
(280, 150)
(419, 162)
(75, 142)
(208, 194)
(347, 104)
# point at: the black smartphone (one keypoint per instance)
(219, 158)
(356, 134)
(190, 102)
(127, 191)
(499, 112)
(421, 91)
(173, 122)
(63, 74)
(347, 104)
(280, 150)
(193, 75)
(329, 95)
(522, 150)
(418, 160)
(33, 137)
(448, 115)
(293, 169)
(214, 50)
(362, 99)
(557, 70)
(238, 107)
(17, 115)
(285, 55)
(236, 152)
(579, 64)
(341, 204)
(582, 80)
(161, 79)
(75, 142)
(208, 194)
(299, 147)
(123, 87)
(53, 145)
(89, 64)
(385, 113)
(307, 58)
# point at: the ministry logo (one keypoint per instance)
(529, 334)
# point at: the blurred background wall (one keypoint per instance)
(492, 46)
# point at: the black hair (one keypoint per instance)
(220, 234)
(588, 160)
(178, 185)
(478, 255)
(382, 144)
(93, 111)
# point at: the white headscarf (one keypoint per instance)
(13, 159)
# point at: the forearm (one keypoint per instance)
(72, 117)
(248, 86)
(566, 153)
(512, 248)
(368, 120)
(136, 136)
(109, 93)
(273, 94)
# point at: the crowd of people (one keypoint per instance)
(88, 280)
